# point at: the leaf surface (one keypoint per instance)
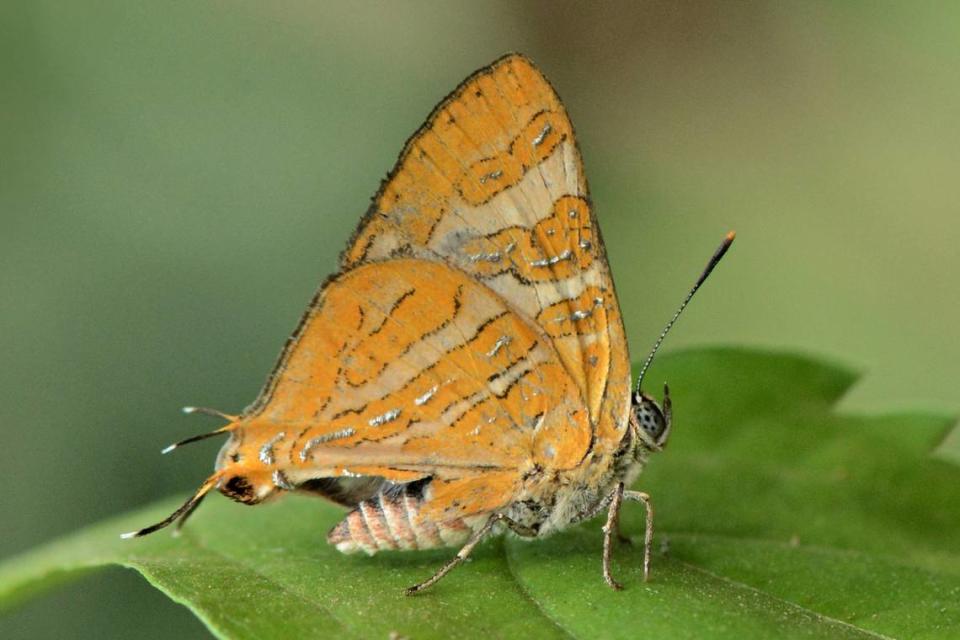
(775, 517)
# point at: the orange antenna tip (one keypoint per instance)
(731, 236)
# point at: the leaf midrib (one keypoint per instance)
(816, 615)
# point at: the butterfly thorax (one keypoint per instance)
(556, 500)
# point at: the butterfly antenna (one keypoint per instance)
(203, 436)
(182, 513)
(717, 255)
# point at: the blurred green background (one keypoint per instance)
(177, 178)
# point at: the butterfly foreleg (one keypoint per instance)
(467, 549)
(612, 528)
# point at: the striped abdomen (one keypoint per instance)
(391, 521)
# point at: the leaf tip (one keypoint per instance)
(949, 447)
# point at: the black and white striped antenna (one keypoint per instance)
(717, 255)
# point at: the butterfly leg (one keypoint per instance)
(609, 529)
(640, 496)
(464, 552)
(612, 528)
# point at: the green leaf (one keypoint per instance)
(775, 517)
(949, 449)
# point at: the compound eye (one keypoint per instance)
(651, 420)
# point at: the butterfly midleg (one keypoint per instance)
(467, 549)
(612, 527)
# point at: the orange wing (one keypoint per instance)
(408, 368)
(493, 184)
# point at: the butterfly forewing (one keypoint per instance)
(493, 185)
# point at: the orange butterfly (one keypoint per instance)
(467, 371)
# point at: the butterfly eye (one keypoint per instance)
(650, 419)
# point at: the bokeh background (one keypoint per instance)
(176, 178)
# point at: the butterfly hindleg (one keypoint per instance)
(612, 527)
(467, 549)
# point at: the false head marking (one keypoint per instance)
(252, 485)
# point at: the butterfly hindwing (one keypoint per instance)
(407, 369)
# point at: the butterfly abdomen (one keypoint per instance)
(391, 521)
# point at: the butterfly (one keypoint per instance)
(466, 372)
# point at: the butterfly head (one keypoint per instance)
(651, 421)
